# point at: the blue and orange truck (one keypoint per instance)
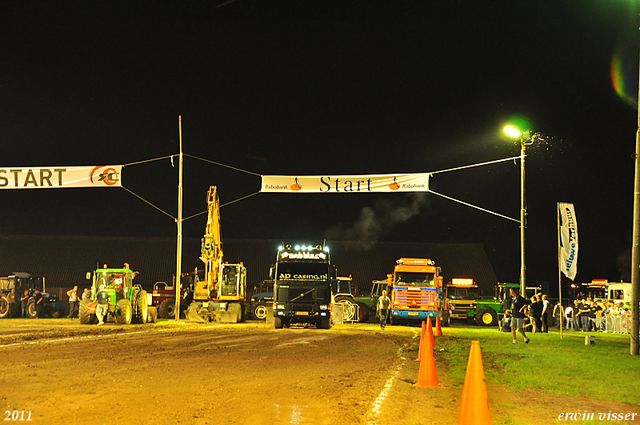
(416, 292)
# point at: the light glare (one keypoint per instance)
(512, 131)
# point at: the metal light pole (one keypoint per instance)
(635, 248)
(524, 138)
(179, 222)
(523, 218)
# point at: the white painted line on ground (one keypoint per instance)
(376, 408)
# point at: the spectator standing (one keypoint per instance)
(383, 308)
(11, 298)
(536, 312)
(518, 306)
(568, 315)
(546, 310)
(73, 302)
(576, 315)
(37, 299)
(505, 323)
(86, 294)
(557, 315)
(584, 309)
(601, 316)
(24, 299)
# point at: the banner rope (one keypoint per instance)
(223, 165)
(477, 165)
(144, 200)
(150, 160)
(473, 206)
(223, 205)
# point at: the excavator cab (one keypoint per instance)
(234, 277)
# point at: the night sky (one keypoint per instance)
(329, 87)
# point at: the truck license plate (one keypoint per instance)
(414, 313)
(302, 313)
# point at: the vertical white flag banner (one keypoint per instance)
(568, 240)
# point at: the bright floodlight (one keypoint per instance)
(512, 131)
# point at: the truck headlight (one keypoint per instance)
(324, 307)
(280, 307)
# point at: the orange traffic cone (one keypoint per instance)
(423, 332)
(428, 374)
(430, 332)
(438, 328)
(474, 408)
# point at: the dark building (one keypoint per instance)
(65, 260)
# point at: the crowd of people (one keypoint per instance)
(588, 315)
(581, 315)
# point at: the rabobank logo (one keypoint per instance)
(104, 175)
(296, 187)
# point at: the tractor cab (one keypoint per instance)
(117, 282)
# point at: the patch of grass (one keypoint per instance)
(510, 421)
(566, 366)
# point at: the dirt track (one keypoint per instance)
(235, 374)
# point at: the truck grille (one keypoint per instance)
(424, 299)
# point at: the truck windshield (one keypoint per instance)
(415, 279)
(462, 293)
(303, 271)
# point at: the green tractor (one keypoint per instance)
(128, 303)
(465, 304)
(367, 303)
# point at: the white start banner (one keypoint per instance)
(365, 183)
(60, 177)
(568, 240)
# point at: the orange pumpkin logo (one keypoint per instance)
(296, 187)
(394, 185)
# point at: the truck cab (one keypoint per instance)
(302, 286)
(461, 295)
(416, 284)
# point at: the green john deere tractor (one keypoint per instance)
(128, 303)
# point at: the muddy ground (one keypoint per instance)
(185, 373)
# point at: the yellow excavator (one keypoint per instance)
(221, 296)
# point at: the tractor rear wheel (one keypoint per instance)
(124, 312)
(259, 311)
(32, 311)
(84, 316)
(167, 309)
(487, 317)
(363, 312)
(141, 306)
(4, 308)
(348, 310)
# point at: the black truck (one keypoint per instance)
(302, 278)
